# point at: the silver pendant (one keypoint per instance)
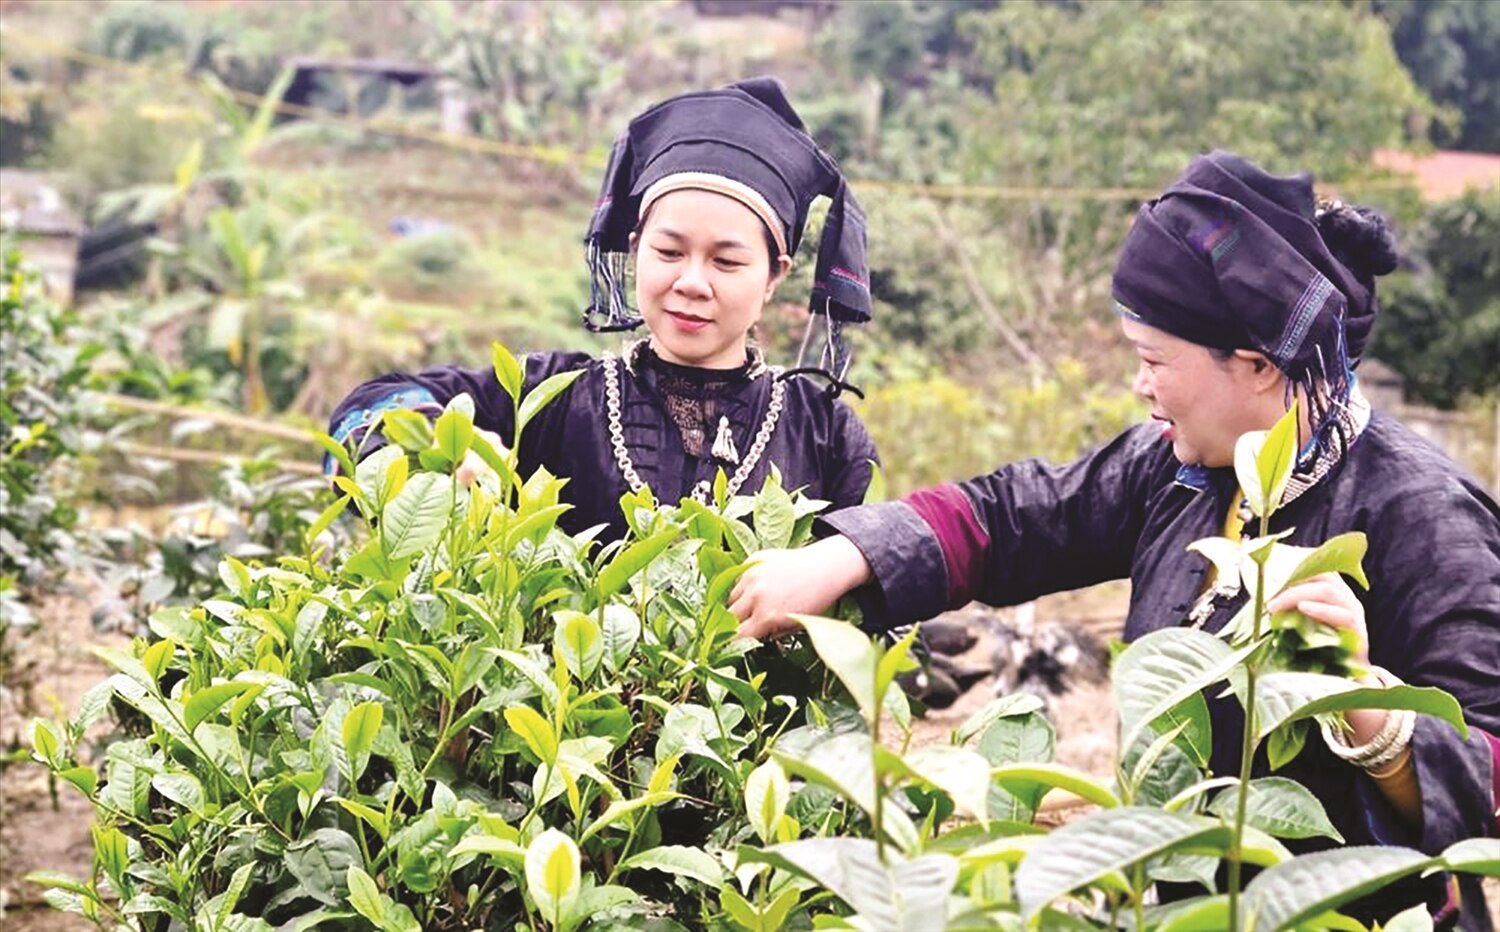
(723, 448)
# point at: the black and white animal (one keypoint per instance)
(1045, 659)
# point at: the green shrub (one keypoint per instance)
(43, 414)
(430, 265)
(419, 713)
(930, 430)
(473, 720)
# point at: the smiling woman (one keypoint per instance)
(1240, 293)
(705, 268)
(707, 194)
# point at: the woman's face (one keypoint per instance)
(702, 277)
(1203, 401)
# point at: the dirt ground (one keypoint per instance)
(50, 670)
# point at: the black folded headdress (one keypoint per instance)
(1232, 257)
(744, 140)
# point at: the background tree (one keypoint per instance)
(1452, 49)
(1440, 318)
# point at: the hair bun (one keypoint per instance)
(1358, 237)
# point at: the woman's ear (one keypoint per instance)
(779, 271)
(1264, 374)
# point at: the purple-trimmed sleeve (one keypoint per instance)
(950, 515)
(905, 557)
(1024, 530)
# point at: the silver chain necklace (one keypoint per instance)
(703, 489)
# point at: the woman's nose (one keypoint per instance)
(1141, 383)
(692, 283)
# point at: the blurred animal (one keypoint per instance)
(1045, 659)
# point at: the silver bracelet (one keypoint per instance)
(1404, 732)
(1386, 745)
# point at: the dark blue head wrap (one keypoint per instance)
(1232, 257)
(749, 134)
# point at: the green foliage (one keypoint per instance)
(470, 719)
(253, 510)
(465, 704)
(120, 131)
(568, 76)
(1452, 49)
(933, 429)
(44, 419)
(1055, 96)
(27, 122)
(426, 266)
(139, 31)
(1440, 322)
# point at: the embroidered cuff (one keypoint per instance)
(356, 424)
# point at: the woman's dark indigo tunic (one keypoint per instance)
(1129, 511)
(819, 444)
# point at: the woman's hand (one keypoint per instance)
(795, 582)
(473, 467)
(1326, 598)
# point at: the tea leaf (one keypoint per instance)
(767, 791)
(374, 817)
(680, 860)
(453, 432)
(1341, 554)
(43, 741)
(321, 863)
(408, 429)
(850, 654)
(85, 778)
(111, 851)
(774, 516)
(361, 725)
(961, 773)
(577, 637)
(539, 397)
(324, 520)
(156, 658)
(1015, 704)
(493, 838)
(365, 896)
(238, 881)
(1090, 848)
(337, 451)
(1287, 697)
(632, 560)
(1160, 670)
(535, 730)
(621, 808)
(412, 523)
(622, 629)
(1305, 887)
(1279, 807)
(507, 370)
(181, 788)
(553, 874)
(1277, 457)
(1060, 776)
(202, 705)
(895, 895)
(1474, 856)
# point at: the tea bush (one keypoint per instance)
(43, 415)
(470, 719)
